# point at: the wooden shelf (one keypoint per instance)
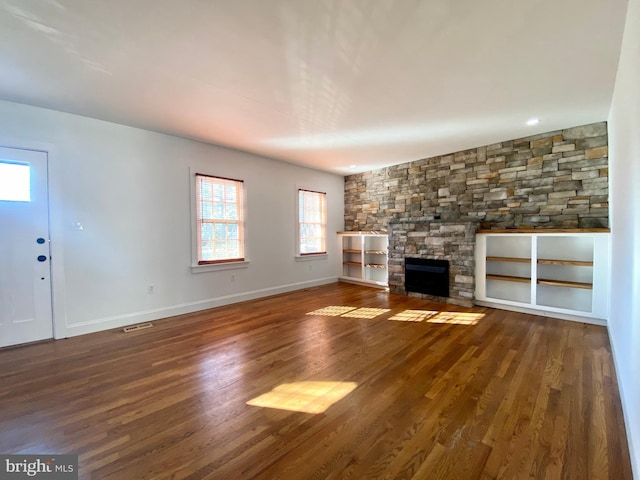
(509, 259)
(508, 278)
(351, 250)
(545, 230)
(353, 264)
(563, 283)
(364, 232)
(375, 265)
(575, 263)
(375, 252)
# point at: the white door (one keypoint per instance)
(25, 285)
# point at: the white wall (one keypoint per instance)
(130, 189)
(624, 166)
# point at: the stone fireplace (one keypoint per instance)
(432, 207)
(438, 240)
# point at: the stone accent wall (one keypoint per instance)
(552, 180)
(436, 240)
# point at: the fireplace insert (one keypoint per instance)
(424, 275)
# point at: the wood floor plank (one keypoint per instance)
(434, 392)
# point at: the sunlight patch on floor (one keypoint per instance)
(431, 316)
(332, 311)
(306, 397)
(456, 318)
(349, 312)
(413, 315)
(366, 313)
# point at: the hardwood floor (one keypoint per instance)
(428, 391)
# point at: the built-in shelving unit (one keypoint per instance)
(364, 257)
(563, 273)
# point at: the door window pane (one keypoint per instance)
(15, 182)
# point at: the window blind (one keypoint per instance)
(312, 222)
(220, 219)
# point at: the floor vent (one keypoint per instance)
(140, 326)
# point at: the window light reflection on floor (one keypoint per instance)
(349, 312)
(306, 397)
(366, 313)
(332, 311)
(430, 316)
(413, 315)
(456, 318)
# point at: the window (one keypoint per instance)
(15, 182)
(220, 219)
(312, 222)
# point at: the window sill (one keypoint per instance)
(310, 257)
(213, 267)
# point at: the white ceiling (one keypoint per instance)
(322, 83)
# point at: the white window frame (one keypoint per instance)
(198, 266)
(310, 255)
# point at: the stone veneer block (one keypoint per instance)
(585, 131)
(597, 152)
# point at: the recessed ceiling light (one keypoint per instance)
(352, 166)
(533, 121)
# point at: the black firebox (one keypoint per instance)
(424, 275)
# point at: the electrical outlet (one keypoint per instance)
(233, 277)
(151, 289)
(309, 267)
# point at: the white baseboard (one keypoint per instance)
(118, 321)
(543, 313)
(627, 407)
(365, 283)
